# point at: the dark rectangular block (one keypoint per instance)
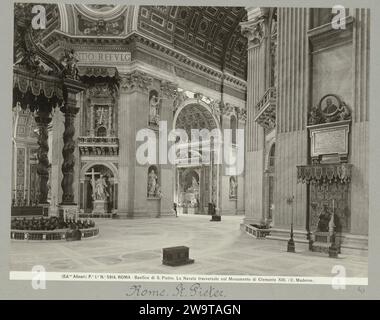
(176, 256)
(27, 211)
(216, 218)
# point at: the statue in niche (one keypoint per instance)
(153, 186)
(194, 185)
(154, 108)
(99, 187)
(233, 188)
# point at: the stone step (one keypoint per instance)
(143, 216)
(321, 247)
(287, 239)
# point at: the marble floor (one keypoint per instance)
(135, 246)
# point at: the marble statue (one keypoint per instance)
(99, 188)
(194, 185)
(233, 188)
(154, 105)
(152, 183)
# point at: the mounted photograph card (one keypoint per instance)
(132, 124)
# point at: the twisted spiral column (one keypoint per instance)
(68, 154)
(43, 119)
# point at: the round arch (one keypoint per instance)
(272, 148)
(193, 101)
(109, 165)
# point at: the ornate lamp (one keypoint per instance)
(291, 245)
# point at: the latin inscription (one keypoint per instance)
(330, 141)
(103, 57)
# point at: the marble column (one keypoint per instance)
(43, 119)
(255, 29)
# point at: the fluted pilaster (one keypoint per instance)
(292, 106)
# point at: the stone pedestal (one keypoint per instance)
(68, 212)
(100, 207)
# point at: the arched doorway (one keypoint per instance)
(91, 173)
(196, 171)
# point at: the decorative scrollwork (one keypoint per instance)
(330, 109)
(135, 80)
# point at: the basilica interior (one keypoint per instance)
(95, 75)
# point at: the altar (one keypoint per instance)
(189, 196)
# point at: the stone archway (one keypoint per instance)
(110, 174)
(196, 183)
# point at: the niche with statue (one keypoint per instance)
(154, 108)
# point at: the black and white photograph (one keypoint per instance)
(207, 143)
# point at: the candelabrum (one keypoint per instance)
(291, 245)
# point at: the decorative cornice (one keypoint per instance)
(122, 41)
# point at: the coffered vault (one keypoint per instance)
(210, 34)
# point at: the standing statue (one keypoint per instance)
(152, 183)
(194, 184)
(99, 188)
(233, 188)
(154, 106)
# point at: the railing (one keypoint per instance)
(268, 97)
(45, 235)
(98, 140)
(98, 146)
